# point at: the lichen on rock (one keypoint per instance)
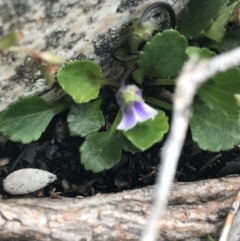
(72, 29)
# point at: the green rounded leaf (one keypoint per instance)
(214, 131)
(81, 80)
(164, 55)
(202, 53)
(100, 151)
(25, 120)
(126, 144)
(219, 92)
(86, 118)
(198, 15)
(147, 133)
(217, 28)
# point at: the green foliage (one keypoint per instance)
(230, 41)
(81, 79)
(217, 28)
(100, 151)
(216, 120)
(209, 238)
(230, 2)
(48, 75)
(202, 53)
(9, 40)
(25, 120)
(134, 35)
(198, 15)
(145, 134)
(86, 118)
(212, 130)
(164, 55)
(126, 144)
(51, 58)
(219, 92)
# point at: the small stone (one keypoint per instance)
(27, 180)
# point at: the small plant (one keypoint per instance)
(151, 59)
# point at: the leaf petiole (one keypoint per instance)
(159, 103)
(115, 122)
(110, 82)
(160, 82)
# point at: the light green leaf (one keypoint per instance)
(209, 238)
(49, 75)
(214, 131)
(126, 144)
(100, 151)
(81, 79)
(198, 15)
(231, 2)
(86, 118)
(219, 92)
(51, 58)
(134, 35)
(25, 120)
(202, 53)
(217, 28)
(230, 41)
(237, 98)
(9, 40)
(147, 133)
(140, 35)
(164, 55)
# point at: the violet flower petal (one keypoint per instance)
(129, 120)
(144, 112)
(139, 112)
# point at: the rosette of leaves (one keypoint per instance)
(102, 149)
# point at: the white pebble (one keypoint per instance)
(27, 180)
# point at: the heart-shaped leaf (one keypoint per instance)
(219, 92)
(86, 118)
(217, 28)
(214, 131)
(164, 55)
(100, 151)
(198, 15)
(81, 79)
(25, 120)
(147, 133)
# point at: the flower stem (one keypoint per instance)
(159, 103)
(110, 82)
(115, 122)
(161, 82)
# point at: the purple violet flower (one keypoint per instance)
(133, 108)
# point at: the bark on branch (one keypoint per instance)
(196, 210)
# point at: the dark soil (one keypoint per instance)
(58, 153)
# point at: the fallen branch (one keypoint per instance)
(196, 210)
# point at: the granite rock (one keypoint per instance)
(73, 29)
